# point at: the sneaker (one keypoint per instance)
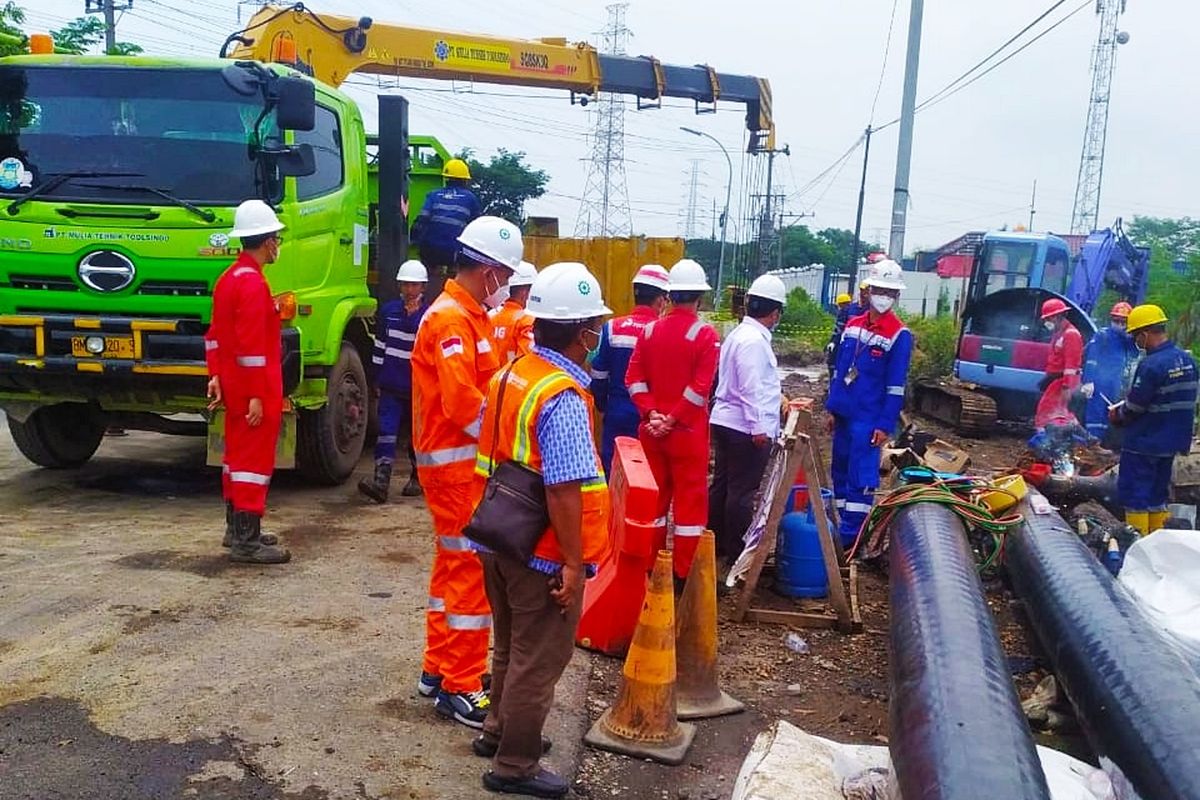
(469, 708)
(429, 685)
(486, 748)
(544, 784)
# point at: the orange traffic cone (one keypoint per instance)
(642, 721)
(696, 640)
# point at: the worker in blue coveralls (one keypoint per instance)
(846, 312)
(444, 215)
(866, 395)
(1108, 364)
(617, 338)
(391, 366)
(1158, 417)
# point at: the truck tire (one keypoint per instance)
(329, 441)
(61, 436)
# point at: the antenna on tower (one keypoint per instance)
(1086, 214)
(604, 209)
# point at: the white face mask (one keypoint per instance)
(1048, 325)
(496, 298)
(882, 303)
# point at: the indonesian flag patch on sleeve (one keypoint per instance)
(451, 346)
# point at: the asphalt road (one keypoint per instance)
(137, 663)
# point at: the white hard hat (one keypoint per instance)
(566, 291)
(491, 239)
(412, 271)
(653, 275)
(254, 218)
(769, 287)
(886, 274)
(523, 275)
(688, 276)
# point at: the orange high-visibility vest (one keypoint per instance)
(512, 331)
(452, 361)
(532, 383)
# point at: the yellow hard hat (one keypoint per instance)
(1144, 316)
(862, 286)
(458, 169)
(842, 298)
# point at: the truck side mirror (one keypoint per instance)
(296, 161)
(295, 104)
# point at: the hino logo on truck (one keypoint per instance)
(106, 271)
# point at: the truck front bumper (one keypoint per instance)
(50, 358)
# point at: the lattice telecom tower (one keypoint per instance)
(604, 208)
(1091, 163)
(689, 221)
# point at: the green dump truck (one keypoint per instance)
(118, 182)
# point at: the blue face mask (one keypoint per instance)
(595, 351)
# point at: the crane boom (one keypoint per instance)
(331, 48)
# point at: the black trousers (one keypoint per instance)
(739, 469)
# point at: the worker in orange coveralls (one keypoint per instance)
(452, 361)
(242, 350)
(670, 377)
(512, 327)
(1063, 367)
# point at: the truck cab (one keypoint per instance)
(118, 182)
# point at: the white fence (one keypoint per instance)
(921, 296)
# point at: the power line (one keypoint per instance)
(883, 68)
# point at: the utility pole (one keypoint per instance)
(766, 223)
(1032, 205)
(109, 9)
(908, 110)
(862, 199)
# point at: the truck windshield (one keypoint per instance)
(181, 131)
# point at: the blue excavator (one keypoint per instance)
(1002, 346)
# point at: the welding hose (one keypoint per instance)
(1136, 696)
(957, 729)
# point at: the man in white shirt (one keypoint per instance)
(745, 415)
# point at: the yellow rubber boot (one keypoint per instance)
(1157, 520)
(1139, 520)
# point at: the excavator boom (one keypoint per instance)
(331, 48)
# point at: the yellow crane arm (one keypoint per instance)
(331, 48)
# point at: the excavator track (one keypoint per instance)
(970, 412)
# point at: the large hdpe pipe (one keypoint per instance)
(957, 729)
(1137, 698)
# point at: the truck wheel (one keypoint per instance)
(329, 441)
(61, 436)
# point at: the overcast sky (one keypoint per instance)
(975, 156)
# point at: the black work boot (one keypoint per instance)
(248, 547)
(413, 487)
(265, 538)
(377, 488)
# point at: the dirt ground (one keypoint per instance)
(136, 662)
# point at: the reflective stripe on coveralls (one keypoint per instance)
(617, 340)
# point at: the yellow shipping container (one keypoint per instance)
(612, 261)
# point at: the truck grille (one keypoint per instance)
(174, 288)
(43, 283)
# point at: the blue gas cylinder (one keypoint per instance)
(799, 565)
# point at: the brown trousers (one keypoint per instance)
(532, 645)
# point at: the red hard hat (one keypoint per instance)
(873, 257)
(1121, 310)
(1053, 307)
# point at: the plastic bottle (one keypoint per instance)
(1114, 558)
(796, 643)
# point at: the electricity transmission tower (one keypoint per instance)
(689, 222)
(254, 5)
(604, 208)
(1091, 162)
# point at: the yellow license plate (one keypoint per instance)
(114, 347)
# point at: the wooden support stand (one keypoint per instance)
(842, 610)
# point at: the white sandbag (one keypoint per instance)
(1162, 573)
(785, 763)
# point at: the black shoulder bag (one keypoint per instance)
(512, 516)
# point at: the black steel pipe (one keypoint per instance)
(957, 729)
(1136, 697)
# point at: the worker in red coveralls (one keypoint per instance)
(669, 378)
(1063, 367)
(242, 349)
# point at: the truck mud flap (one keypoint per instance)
(285, 446)
(1136, 697)
(956, 722)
